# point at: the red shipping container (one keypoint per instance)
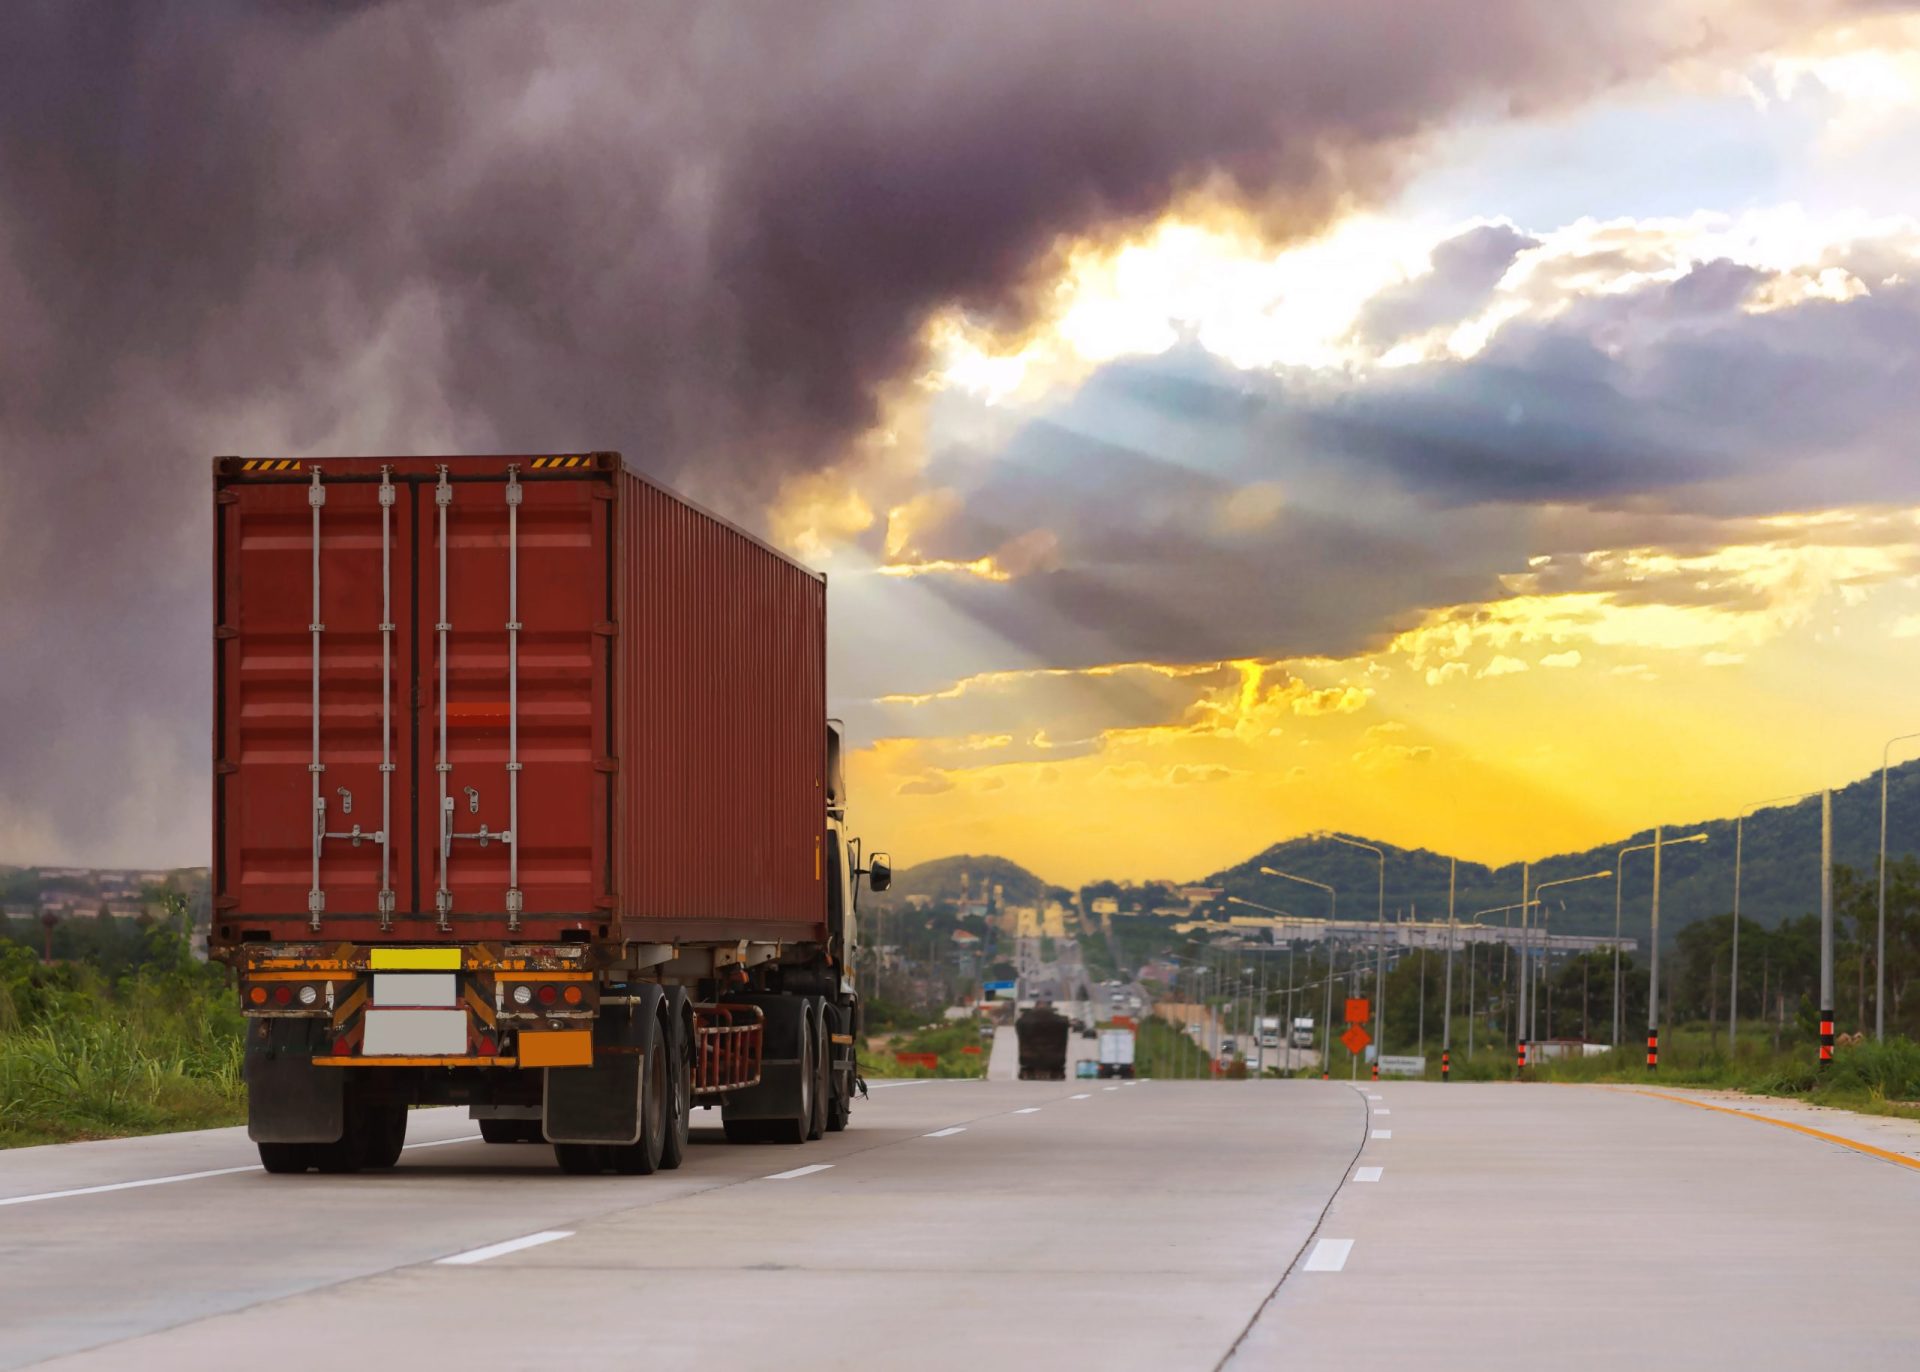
(537, 697)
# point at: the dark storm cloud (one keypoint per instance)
(1668, 417)
(708, 235)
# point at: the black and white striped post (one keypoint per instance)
(1826, 928)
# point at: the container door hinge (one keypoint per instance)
(606, 764)
(607, 628)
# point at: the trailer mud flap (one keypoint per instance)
(779, 1086)
(601, 1103)
(289, 1100)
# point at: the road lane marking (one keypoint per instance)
(181, 1176)
(1381, 1110)
(1371, 1096)
(1367, 1173)
(1109, 1088)
(1329, 1255)
(126, 1185)
(806, 1171)
(494, 1250)
(1383, 1133)
(1082, 1096)
(944, 1133)
(1030, 1110)
(1883, 1154)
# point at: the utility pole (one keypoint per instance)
(1653, 965)
(1446, 1014)
(1733, 975)
(1520, 1018)
(1826, 928)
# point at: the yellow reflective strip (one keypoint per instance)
(414, 959)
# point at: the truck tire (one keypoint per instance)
(285, 1158)
(641, 1158)
(822, 1069)
(381, 1133)
(679, 1093)
(580, 1159)
(796, 1128)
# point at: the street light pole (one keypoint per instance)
(1520, 1018)
(1619, 872)
(1333, 910)
(1544, 886)
(1653, 965)
(1446, 1014)
(1826, 928)
(1380, 933)
(1880, 937)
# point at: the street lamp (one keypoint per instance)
(1446, 1013)
(1333, 905)
(1619, 868)
(1880, 938)
(1286, 915)
(1380, 939)
(1506, 942)
(1543, 886)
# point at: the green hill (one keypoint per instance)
(1779, 870)
(941, 880)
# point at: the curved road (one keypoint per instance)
(1157, 1225)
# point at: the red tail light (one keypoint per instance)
(547, 994)
(282, 994)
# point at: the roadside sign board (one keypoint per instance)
(1359, 1011)
(1402, 1065)
(1356, 1038)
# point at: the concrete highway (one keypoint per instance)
(1157, 1225)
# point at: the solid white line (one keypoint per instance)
(1383, 1133)
(126, 1185)
(180, 1176)
(1030, 1110)
(1367, 1173)
(944, 1133)
(494, 1250)
(806, 1171)
(1082, 1096)
(1329, 1255)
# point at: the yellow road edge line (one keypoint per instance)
(1883, 1154)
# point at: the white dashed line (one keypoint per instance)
(1367, 1173)
(806, 1171)
(1030, 1110)
(944, 1133)
(1371, 1096)
(494, 1250)
(1109, 1088)
(1082, 1096)
(1381, 1110)
(1329, 1255)
(1383, 1133)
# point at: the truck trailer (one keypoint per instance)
(1041, 1032)
(525, 799)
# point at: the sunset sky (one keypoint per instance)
(1486, 426)
(1574, 487)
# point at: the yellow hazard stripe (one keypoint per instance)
(550, 463)
(270, 464)
(413, 959)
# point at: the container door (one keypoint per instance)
(513, 803)
(313, 768)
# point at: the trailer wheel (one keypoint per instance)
(381, 1133)
(641, 1158)
(679, 1095)
(285, 1158)
(580, 1159)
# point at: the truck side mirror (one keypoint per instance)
(879, 872)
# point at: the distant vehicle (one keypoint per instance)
(1229, 1047)
(1303, 1033)
(1116, 1052)
(1270, 1031)
(1086, 1067)
(1042, 1034)
(1089, 1032)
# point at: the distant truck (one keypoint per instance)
(1303, 1033)
(1269, 1031)
(1042, 1033)
(1116, 1052)
(524, 800)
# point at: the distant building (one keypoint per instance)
(1199, 895)
(1105, 905)
(965, 939)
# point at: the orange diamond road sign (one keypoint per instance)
(1356, 1038)
(1359, 1011)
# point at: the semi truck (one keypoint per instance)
(1042, 1033)
(1303, 1032)
(525, 800)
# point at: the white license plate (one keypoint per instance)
(433, 989)
(414, 1033)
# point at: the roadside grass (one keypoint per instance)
(82, 1057)
(877, 1060)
